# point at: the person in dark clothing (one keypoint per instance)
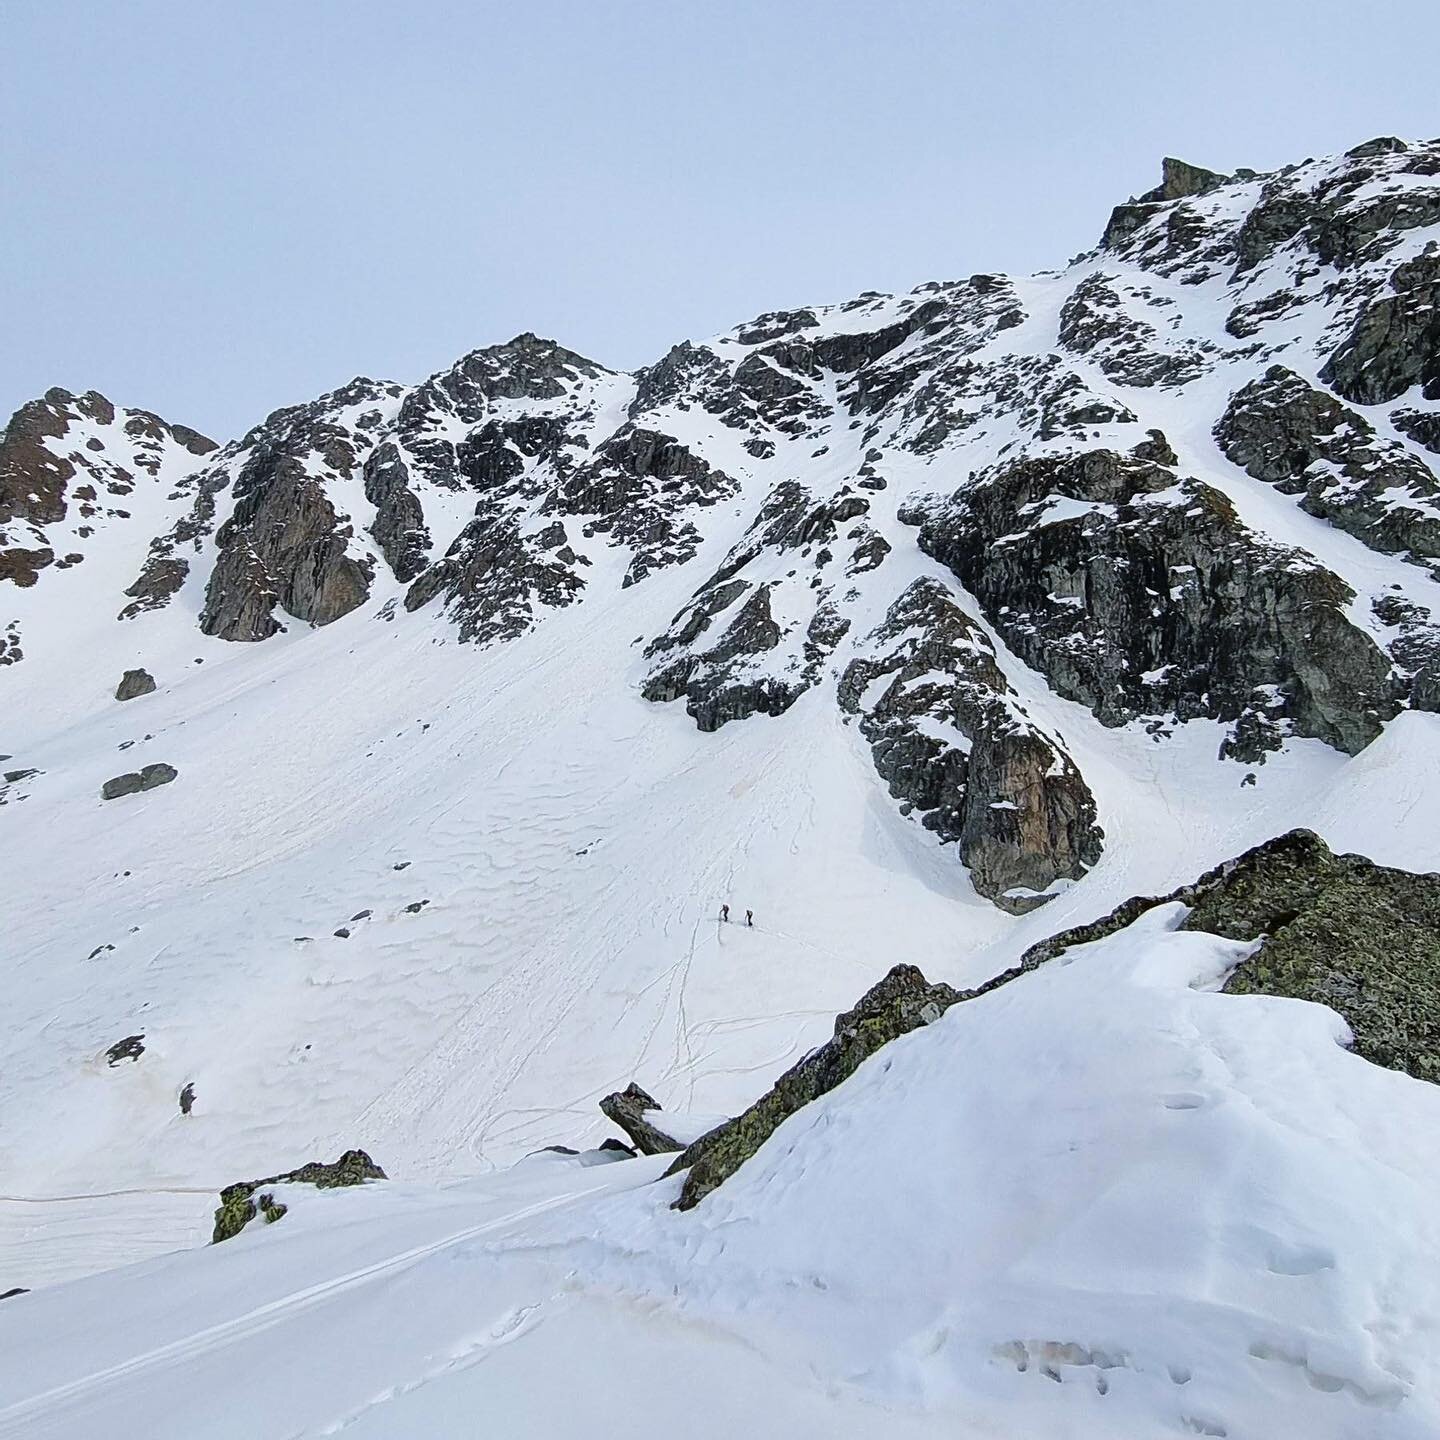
(724, 912)
(750, 917)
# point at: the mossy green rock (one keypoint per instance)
(1340, 930)
(239, 1204)
(902, 1001)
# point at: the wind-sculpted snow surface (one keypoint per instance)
(923, 626)
(1102, 1199)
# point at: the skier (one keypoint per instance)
(724, 913)
(750, 918)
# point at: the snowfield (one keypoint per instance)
(1101, 1200)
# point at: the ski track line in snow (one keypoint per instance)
(267, 1315)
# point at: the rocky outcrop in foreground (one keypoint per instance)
(1338, 930)
(901, 1002)
(239, 1203)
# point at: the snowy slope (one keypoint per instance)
(1130, 1206)
(485, 693)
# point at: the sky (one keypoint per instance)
(215, 209)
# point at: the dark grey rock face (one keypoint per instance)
(45, 475)
(1096, 322)
(637, 490)
(1007, 793)
(399, 526)
(639, 1115)
(494, 578)
(1139, 593)
(135, 781)
(725, 653)
(283, 545)
(133, 684)
(1283, 431)
(1395, 343)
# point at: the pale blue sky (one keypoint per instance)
(214, 207)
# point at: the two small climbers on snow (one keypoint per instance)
(725, 916)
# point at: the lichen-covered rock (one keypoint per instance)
(134, 781)
(1340, 930)
(631, 1109)
(134, 683)
(951, 740)
(1304, 442)
(1137, 592)
(903, 1001)
(239, 1205)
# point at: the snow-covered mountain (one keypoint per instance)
(925, 627)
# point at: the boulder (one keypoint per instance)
(134, 781)
(240, 1203)
(133, 684)
(630, 1109)
(132, 1047)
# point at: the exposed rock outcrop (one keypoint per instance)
(76, 459)
(951, 740)
(631, 1109)
(1304, 442)
(283, 545)
(1340, 930)
(240, 1203)
(903, 1001)
(1395, 343)
(1137, 592)
(726, 653)
(496, 576)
